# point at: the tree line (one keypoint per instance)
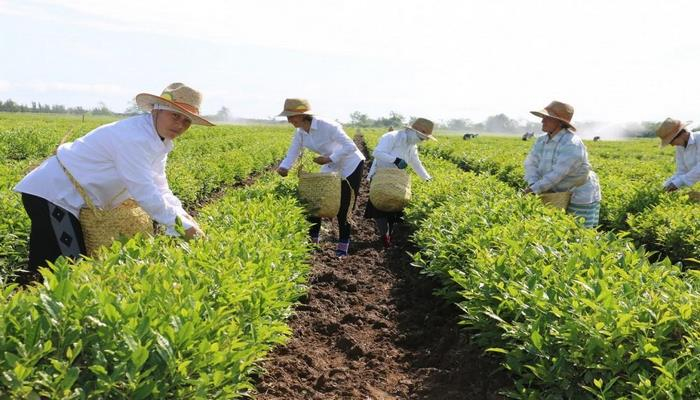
(500, 123)
(10, 105)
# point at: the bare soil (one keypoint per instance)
(371, 328)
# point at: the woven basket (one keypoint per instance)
(102, 227)
(556, 200)
(694, 196)
(390, 190)
(320, 193)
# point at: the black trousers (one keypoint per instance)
(347, 186)
(43, 240)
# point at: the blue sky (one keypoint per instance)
(612, 60)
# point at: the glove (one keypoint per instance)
(400, 163)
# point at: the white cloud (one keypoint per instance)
(5, 86)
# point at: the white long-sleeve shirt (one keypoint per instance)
(561, 164)
(687, 163)
(397, 144)
(112, 163)
(328, 139)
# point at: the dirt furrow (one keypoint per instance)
(371, 328)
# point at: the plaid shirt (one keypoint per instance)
(687, 163)
(560, 164)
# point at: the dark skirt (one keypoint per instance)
(372, 212)
(54, 232)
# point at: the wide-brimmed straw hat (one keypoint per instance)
(668, 130)
(177, 96)
(559, 111)
(424, 128)
(295, 107)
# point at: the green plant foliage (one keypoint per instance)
(572, 312)
(158, 317)
(631, 174)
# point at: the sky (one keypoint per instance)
(613, 60)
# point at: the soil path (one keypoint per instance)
(371, 328)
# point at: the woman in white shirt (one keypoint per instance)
(674, 132)
(337, 153)
(114, 162)
(398, 149)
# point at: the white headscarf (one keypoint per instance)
(412, 137)
(158, 106)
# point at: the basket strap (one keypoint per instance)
(300, 169)
(83, 193)
(353, 197)
(77, 186)
(63, 140)
(72, 179)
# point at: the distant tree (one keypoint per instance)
(132, 108)
(224, 114)
(9, 106)
(359, 119)
(479, 127)
(459, 124)
(501, 123)
(648, 129)
(101, 109)
(394, 119)
(58, 108)
(78, 110)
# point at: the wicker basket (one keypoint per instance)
(320, 192)
(694, 196)
(390, 190)
(556, 200)
(102, 227)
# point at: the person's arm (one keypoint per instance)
(133, 164)
(292, 154)
(684, 176)
(417, 165)
(531, 162)
(570, 156)
(161, 181)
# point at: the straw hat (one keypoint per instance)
(178, 96)
(559, 111)
(424, 128)
(668, 130)
(295, 107)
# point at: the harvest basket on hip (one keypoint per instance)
(562, 199)
(319, 192)
(556, 199)
(390, 189)
(102, 226)
(694, 196)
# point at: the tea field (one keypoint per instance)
(567, 312)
